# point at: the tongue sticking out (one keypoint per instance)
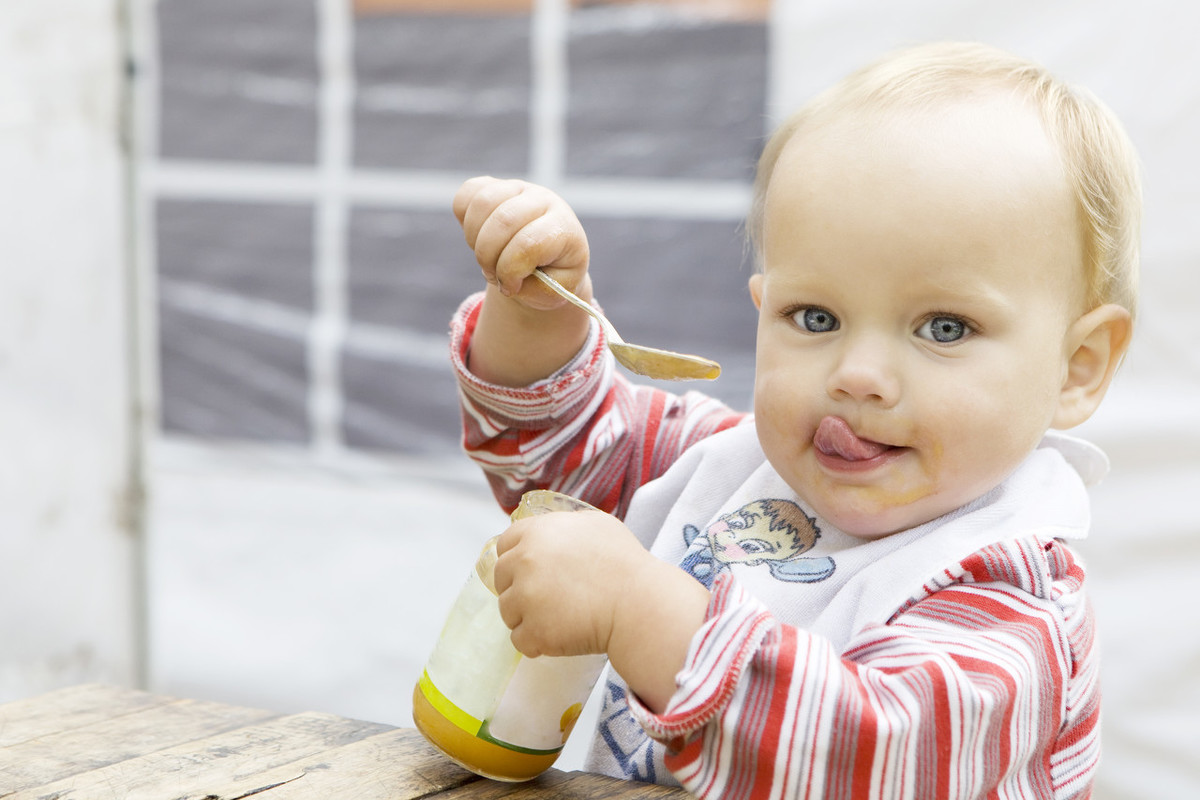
(834, 437)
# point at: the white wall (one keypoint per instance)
(66, 557)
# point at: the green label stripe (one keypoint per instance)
(447, 709)
(486, 735)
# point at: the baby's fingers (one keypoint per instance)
(544, 242)
(484, 192)
(502, 228)
(466, 192)
(489, 203)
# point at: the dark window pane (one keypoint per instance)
(258, 251)
(223, 380)
(409, 270)
(239, 80)
(235, 300)
(665, 95)
(398, 406)
(442, 92)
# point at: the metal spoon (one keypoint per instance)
(649, 361)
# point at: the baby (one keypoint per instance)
(866, 588)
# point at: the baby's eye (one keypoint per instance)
(815, 320)
(943, 330)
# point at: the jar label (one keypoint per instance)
(471, 725)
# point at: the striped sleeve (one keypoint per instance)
(986, 686)
(585, 430)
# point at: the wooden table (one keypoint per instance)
(98, 742)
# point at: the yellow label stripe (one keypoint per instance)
(447, 709)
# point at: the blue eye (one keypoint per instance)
(816, 320)
(943, 330)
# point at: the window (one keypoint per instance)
(307, 260)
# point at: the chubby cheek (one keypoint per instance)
(785, 425)
(780, 401)
(976, 445)
(781, 436)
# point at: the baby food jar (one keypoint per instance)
(492, 710)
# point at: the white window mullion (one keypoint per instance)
(334, 114)
(548, 110)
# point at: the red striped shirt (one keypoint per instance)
(983, 685)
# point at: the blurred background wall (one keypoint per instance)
(234, 292)
(68, 489)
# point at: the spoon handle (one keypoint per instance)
(609, 331)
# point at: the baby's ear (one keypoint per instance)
(756, 287)
(1094, 347)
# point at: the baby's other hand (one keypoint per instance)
(515, 227)
(560, 578)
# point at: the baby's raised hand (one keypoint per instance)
(515, 227)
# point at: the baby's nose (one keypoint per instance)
(865, 372)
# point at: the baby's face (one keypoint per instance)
(921, 274)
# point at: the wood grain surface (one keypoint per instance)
(97, 742)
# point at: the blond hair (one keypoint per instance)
(1098, 157)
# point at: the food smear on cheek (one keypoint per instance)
(876, 496)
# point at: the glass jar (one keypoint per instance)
(492, 710)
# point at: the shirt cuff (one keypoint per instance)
(554, 399)
(733, 631)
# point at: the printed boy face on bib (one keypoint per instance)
(773, 533)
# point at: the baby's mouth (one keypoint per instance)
(835, 438)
